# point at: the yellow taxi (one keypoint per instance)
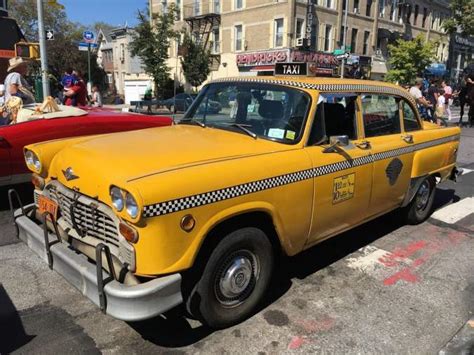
(199, 212)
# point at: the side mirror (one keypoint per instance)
(335, 142)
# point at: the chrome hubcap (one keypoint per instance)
(236, 279)
(422, 196)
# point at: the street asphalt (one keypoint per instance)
(383, 287)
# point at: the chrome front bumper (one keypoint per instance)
(128, 303)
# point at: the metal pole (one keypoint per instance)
(43, 54)
(89, 63)
(344, 38)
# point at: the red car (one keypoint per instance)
(14, 137)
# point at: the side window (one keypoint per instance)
(410, 122)
(381, 115)
(335, 116)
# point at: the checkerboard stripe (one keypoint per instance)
(206, 198)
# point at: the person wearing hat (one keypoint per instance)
(15, 83)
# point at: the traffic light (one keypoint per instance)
(27, 50)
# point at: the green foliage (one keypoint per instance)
(62, 51)
(408, 59)
(196, 61)
(151, 44)
(462, 17)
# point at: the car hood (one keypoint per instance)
(122, 158)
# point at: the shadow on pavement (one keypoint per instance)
(24, 190)
(12, 332)
(174, 330)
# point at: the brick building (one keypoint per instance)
(247, 37)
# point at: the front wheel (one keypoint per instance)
(234, 279)
(420, 207)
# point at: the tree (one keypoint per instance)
(151, 43)
(462, 17)
(408, 59)
(196, 61)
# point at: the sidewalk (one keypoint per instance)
(462, 342)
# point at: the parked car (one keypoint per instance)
(198, 213)
(181, 102)
(14, 137)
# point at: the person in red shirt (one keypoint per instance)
(78, 91)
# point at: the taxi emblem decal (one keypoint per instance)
(69, 174)
(393, 171)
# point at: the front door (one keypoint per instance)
(390, 148)
(5, 161)
(342, 176)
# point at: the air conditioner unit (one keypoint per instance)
(299, 42)
(356, 10)
(378, 51)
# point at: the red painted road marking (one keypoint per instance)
(296, 343)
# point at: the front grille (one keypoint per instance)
(85, 216)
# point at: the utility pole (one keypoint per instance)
(343, 61)
(43, 54)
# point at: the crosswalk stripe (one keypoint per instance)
(455, 211)
(466, 171)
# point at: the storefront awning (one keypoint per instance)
(11, 34)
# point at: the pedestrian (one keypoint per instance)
(15, 83)
(76, 95)
(2, 95)
(470, 98)
(440, 107)
(68, 81)
(432, 96)
(421, 102)
(96, 97)
(462, 96)
(448, 95)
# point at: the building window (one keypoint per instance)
(368, 8)
(409, 14)
(278, 32)
(382, 8)
(365, 50)
(356, 6)
(327, 39)
(341, 36)
(415, 19)
(433, 19)
(400, 13)
(238, 4)
(238, 37)
(425, 16)
(178, 10)
(393, 10)
(353, 40)
(329, 4)
(299, 30)
(217, 6)
(216, 37)
(197, 7)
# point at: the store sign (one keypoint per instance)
(464, 41)
(323, 60)
(263, 58)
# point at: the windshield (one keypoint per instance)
(266, 111)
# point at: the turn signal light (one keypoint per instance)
(129, 233)
(187, 223)
(38, 181)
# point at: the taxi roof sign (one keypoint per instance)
(294, 69)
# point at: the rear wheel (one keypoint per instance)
(420, 207)
(234, 279)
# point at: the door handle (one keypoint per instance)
(408, 138)
(363, 145)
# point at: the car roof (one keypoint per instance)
(327, 84)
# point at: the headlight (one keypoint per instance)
(117, 198)
(32, 161)
(131, 205)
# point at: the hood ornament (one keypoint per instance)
(69, 174)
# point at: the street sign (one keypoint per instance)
(88, 36)
(50, 35)
(342, 56)
(86, 45)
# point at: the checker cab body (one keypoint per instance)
(200, 211)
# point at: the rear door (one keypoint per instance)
(391, 150)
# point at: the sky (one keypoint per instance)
(115, 12)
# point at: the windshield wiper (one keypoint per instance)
(243, 127)
(192, 121)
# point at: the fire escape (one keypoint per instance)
(202, 22)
